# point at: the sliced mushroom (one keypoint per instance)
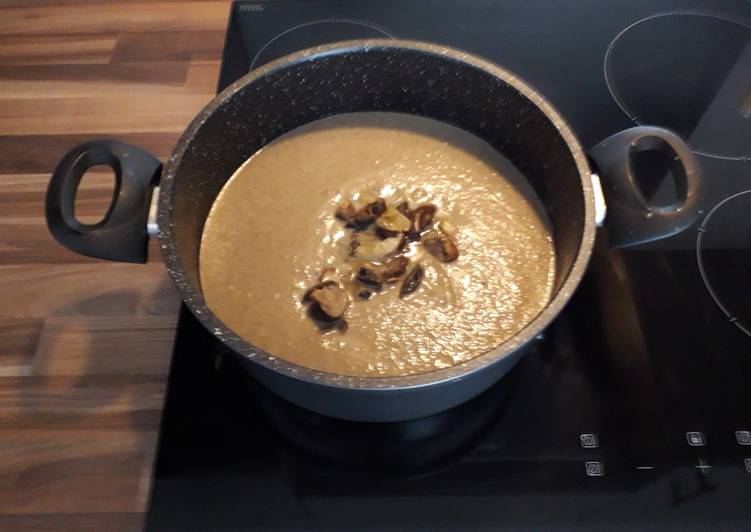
(403, 207)
(394, 267)
(374, 208)
(384, 233)
(369, 277)
(321, 284)
(346, 212)
(421, 219)
(367, 246)
(447, 227)
(328, 273)
(354, 243)
(362, 217)
(392, 222)
(374, 275)
(412, 281)
(328, 297)
(440, 245)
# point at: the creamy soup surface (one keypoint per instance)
(272, 230)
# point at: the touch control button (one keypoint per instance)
(696, 439)
(594, 469)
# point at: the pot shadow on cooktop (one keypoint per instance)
(406, 449)
(218, 418)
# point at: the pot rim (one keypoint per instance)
(194, 299)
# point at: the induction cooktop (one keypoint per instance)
(633, 411)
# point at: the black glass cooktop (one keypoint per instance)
(633, 411)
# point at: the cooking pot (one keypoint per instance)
(378, 75)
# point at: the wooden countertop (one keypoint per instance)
(85, 344)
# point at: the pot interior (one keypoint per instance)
(434, 83)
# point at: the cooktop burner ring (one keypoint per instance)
(640, 109)
(703, 231)
(359, 26)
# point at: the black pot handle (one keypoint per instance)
(121, 234)
(631, 219)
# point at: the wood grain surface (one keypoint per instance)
(85, 344)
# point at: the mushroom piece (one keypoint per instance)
(367, 246)
(412, 281)
(403, 207)
(421, 219)
(374, 209)
(394, 267)
(362, 217)
(346, 212)
(374, 275)
(447, 227)
(440, 245)
(367, 276)
(392, 222)
(329, 298)
(328, 273)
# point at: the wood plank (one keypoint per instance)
(85, 344)
(34, 81)
(167, 77)
(126, 345)
(97, 288)
(18, 341)
(22, 196)
(202, 77)
(27, 3)
(55, 81)
(73, 470)
(55, 49)
(108, 18)
(173, 46)
(165, 113)
(72, 522)
(28, 241)
(34, 154)
(107, 402)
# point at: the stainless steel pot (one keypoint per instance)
(397, 76)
